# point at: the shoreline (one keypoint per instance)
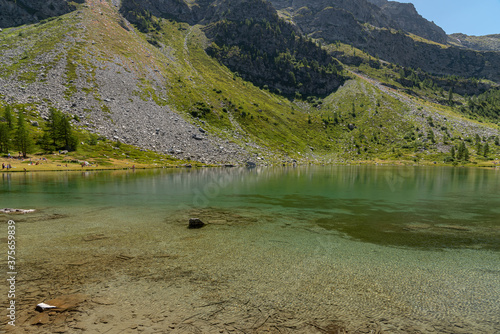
(49, 165)
(118, 168)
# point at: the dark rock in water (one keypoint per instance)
(195, 223)
(250, 164)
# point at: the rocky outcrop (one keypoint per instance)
(404, 16)
(479, 43)
(407, 17)
(361, 10)
(19, 12)
(397, 47)
(379, 29)
(379, 13)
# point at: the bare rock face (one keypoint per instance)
(15, 13)
(379, 13)
(406, 16)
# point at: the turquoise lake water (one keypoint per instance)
(410, 247)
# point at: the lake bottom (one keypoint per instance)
(248, 271)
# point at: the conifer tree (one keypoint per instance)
(59, 132)
(4, 137)
(463, 152)
(23, 140)
(9, 118)
(486, 150)
(450, 97)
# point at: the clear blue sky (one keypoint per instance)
(471, 17)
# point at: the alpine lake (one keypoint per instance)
(318, 249)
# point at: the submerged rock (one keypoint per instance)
(63, 303)
(195, 223)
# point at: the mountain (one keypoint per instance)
(249, 80)
(392, 31)
(378, 13)
(18, 12)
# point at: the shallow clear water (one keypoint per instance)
(406, 247)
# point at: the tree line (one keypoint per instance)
(486, 105)
(19, 135)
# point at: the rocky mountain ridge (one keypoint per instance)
(381, 28)
(378, 13)
(480, 43)
(406, 16)
(18, 12)
(390, 30)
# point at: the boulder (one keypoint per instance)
(195, 136)
(195, 223)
